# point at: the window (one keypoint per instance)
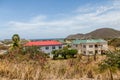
(84, 46)
(76, 45)
(53, 47)
(90, 46)
(47, 48)
(96, 46)
(90, 52)
(84, 52)
(60, 47)
(96, 51)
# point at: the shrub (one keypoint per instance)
(72, 52)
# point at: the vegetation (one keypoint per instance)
(111, 64)
(16, 41)
(114, 42)
(35, 68)
(72, 52)
(20, 53)
(65, 52)
(30, 63)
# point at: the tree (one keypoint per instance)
(110, 64)
(16, 40)
(15, 48)
(72, 52)
(55, 54)
(64, 52)
(34, 53)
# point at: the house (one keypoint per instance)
(91, 46)
(46, 46)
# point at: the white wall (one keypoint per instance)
(81, 49)
(50, 48)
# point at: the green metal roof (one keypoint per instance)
(62, 41)
(88, 41)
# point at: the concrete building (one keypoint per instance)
(46, 46)
(90, 47)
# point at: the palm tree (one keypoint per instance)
(16, 44)
(16, 40)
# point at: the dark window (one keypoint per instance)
(53, 47)
(90, 46)
(76, 45)
(84, 46)
(47, 48)
(84, 52)
(96, 46)
(96, 51)
(90, 52)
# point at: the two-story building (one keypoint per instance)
(91, 46)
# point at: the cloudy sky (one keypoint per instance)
(40, 19)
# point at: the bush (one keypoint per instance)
(64, 53)
(72, 52)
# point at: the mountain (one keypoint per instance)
(104, 33)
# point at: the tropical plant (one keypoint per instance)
(16, 40)
(15, 47)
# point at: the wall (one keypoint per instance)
(50, 48)
(92, 50)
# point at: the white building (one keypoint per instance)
(90, 47)
(46, 46)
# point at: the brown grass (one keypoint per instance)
(70, 69)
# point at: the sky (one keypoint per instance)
(38, 19)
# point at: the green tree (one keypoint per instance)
(55, 54)
(16, 41)
(15, 48)
(110, 64)
(72, 52)
(64, 52)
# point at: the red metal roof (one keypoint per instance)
(43, 43)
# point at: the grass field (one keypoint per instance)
(70, 69)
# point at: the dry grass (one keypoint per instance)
(70, 69)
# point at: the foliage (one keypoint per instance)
(64, 53)
(33, 53)
(55, 54)
(72, 52)
(15, 43)
(16, 40)
(111, 63)
(114, 42)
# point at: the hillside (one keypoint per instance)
(104, 33)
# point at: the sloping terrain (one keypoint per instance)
(104, 33)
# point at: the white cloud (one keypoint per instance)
(95, 17)
(39, 18)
